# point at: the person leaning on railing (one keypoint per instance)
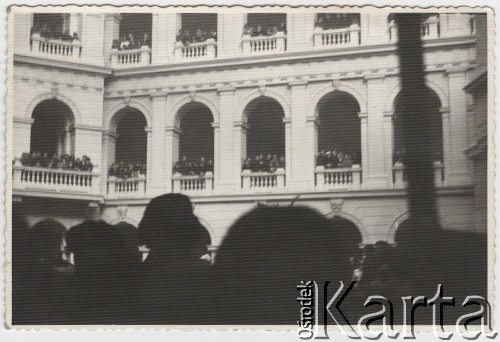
(64, 162)
(332, 159)
(259, 163)
(188, 167)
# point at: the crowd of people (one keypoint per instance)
(264, 256)
(127, 170)
(263, 30)
(195, 166)
(64, 162)
(333, 159)
(45, 31)
(331, 21)
(128, 42)
(260, 163)
(186, 37)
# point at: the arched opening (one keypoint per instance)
(332, 21)
(265, 139)
(135, 30)
(197, 27)
(265, 24)
(51, 130)
(129, 158)
(339, 131)
(196, 140)
(434, 136)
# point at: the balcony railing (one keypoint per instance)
(126, 188)
(193, 185)
(130, 58)
(55, 180)
(55, 47)
(428, 30)
(338, 178)
(399, 175)
(264, 44)
(263, 181)
(195, 51)
(337, 38)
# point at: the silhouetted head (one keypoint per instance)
(267, 253)
(169, 227)
(98, 248)
(48, 239)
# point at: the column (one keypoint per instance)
(455, 158)
(21, 136)
(374, 171)
(108, 157)
(299, 162)
(312, 124)
(288, 149)
(157, 167)
(162, 41)
(226, 170)
(88, 141)
(240, 151)
(363, 118)
(217, 147)
(300, 27)
(75, 24)
(388, 145)
(22, 28)
(111, 32)
(230, 29)
(171, 153)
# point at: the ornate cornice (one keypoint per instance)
(58, 64)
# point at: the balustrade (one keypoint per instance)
(264, 44)
(126, 188)
(263, 181)
(193, 184)
(399, 175)
(338, 38)
(338, 178)
(130, 58)
(195, 51)
(56, 47)
(55, 180)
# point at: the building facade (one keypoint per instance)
(310, 77)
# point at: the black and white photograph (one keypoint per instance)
(324, 170)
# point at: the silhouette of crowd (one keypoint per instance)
(48, 32)
(127, 170)
(186, 37)
(64, 162)
(253, 280)
(190, 167)
(129, 42)
(258, 30)
(331, 21)
(333, 159)
(261, 163)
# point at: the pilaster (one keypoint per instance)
(157, 166)
(374, 170)
(455, 159)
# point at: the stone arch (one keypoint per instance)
(177, 113)
(329, 88)
(54, 96)
(392, 231)
(393, 93)
(113, 114)
(255, 94)
(353, 220)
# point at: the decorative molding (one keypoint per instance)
(121, 212)
(192, 95)
(23, 120)
(241, 125)
(173, 129)
(54, 91)
(127, 100)
(88, 128)
(336, 205)
(363, 115)
(262, 89)
(336, 84)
